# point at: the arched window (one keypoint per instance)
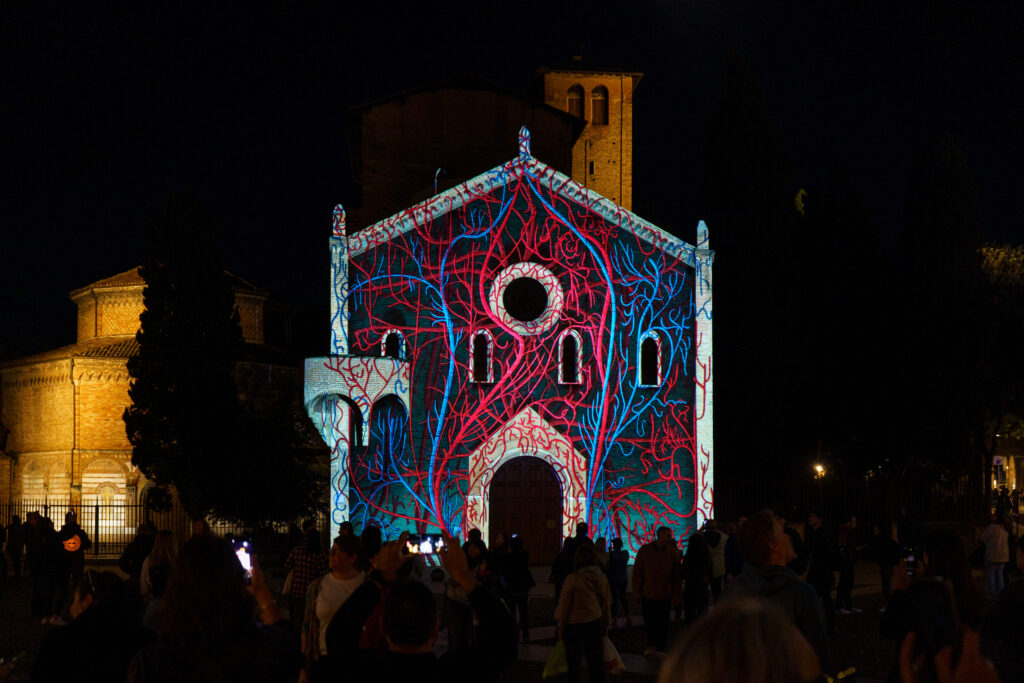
(482, 365)
(599, 106)
(650, 360)
(392, 346)
(575, 100)
(569, 357)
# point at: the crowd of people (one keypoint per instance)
(758, 602)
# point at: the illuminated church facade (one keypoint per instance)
(518, 353)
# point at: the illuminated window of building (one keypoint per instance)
(569, 361)
(575, 100)
(650, 360)
(599, 106)
(482, 366)
(393, 345)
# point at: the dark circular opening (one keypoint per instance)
(525, 299)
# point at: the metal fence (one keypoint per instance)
(112, 526)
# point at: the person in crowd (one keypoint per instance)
(70, 563)
(208, 631)
(997, 553)
(943, 559)
(156, 567)
(799, 563)
(733, 554)
(697, 568)
(346, 529)
(48, 568)
(201, 527)
(495, 569)
(458, 609)
(822, 565)
(34, 536)
(561, 567)
(156, 573)
(371, 541)
(847, 561)
(519, 580)
(305, 563)
(137, 550)
(618, 560)
(1004, 625)
(766, 576)
(324, 597)
(887, 553)
(474, 536)
(15, 544)
(657, 586)
(102, 638)
(409, 618)
(744, 640)
(601, 551)
(583, 613)
(970, 667)
(716, 539)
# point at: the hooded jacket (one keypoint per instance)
(797, 599)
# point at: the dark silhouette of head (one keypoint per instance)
(410, 617)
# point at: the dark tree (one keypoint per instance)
(942, 400)
(184, 406)
(747, 199)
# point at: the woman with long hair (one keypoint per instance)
(208, 630)
(583, 613)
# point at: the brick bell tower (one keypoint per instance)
(602, 158)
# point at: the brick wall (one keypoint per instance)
(38, 407)
(118, 311)
(101, 388)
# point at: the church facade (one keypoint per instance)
(515, 334)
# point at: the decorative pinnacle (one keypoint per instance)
(339, 220)
(524, 142)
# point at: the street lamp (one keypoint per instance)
(819, 474)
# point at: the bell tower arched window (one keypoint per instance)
(599, 106)
(483, 371)
(649, 369)
(575, 100)
(569, 357)
(392, 345)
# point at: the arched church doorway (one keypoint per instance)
(526, 500)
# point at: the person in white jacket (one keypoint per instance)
(997, 553)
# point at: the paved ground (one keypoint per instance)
(856, 645)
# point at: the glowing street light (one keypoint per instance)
(820, 471)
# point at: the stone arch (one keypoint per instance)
(527, 434)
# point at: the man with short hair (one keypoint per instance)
(767, 550)
(657, 586)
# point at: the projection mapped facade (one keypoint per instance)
(517, 315)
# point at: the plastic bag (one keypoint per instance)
(557, 663)
(612, 660)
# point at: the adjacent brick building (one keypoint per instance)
(63, 408)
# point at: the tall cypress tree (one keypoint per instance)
(184, 401)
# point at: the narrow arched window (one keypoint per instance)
(599, 106)
(575, 100)
(482, 372)
(650, 361)
(569, 349)
(392, 346)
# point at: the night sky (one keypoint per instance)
(106, 110)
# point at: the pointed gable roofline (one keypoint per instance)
(522, 167)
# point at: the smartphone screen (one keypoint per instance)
(424, 545)
(242, 552)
